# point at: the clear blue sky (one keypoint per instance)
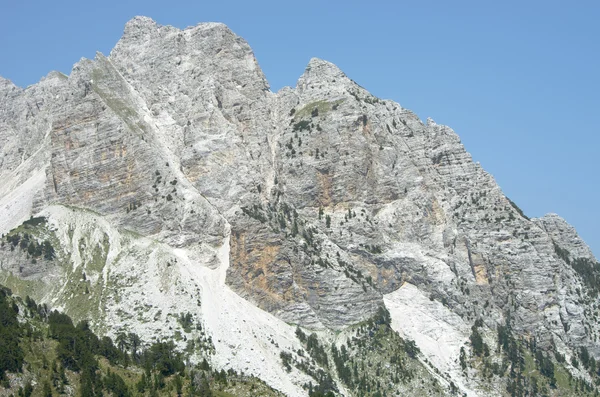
(519, 81)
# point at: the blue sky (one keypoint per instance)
(518, 81)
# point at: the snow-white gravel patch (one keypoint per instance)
(148, 284)
(436, 330)
(16, 203)
(245, 337)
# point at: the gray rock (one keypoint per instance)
(328, 197)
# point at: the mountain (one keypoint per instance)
(59, 358)
(317, 236)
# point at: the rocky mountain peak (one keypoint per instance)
(565, 236)
(174, 185)
(141, 29)
(323, 79)
(6, 85)
(139, 26)
(321, 69)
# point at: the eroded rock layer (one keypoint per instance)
(169, 174)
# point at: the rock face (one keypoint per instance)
(173, 179)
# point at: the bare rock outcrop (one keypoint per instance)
(317, 203)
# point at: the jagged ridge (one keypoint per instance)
(318, 204)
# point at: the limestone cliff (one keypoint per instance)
(171, 179)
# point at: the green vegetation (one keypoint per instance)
(588, 270)
(370, 99)
(30, 238)
(34, 248)
(477, 344)
(11, 354)
(255, 212)
(373, 361)
(113, 97)
(317, 108)
(516, 207)
(285, 220)
(523, 367)
(47, 355)
(35, 221)
(302, 125)
(311, 364)
(306, 119)
(376, 361)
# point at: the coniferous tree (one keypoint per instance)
(11, 354)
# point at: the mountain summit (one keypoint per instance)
(316, 236)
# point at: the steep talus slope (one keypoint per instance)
(172, 180)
